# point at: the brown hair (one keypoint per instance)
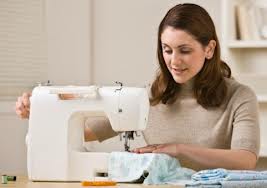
(209, 84)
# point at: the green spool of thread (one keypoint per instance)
(11, 178)
(4, 179)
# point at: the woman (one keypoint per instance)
(198, 113)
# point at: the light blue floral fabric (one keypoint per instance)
(223, 178)
(150, 167)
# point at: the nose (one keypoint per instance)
(176, 59)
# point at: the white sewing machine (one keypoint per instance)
(55, 137)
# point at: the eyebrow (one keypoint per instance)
(179, 46)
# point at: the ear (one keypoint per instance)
(209, 49)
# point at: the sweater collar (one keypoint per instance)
(188, 86)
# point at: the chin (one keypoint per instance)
(180, 80)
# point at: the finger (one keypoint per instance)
(26, 95)
(18, 112)
(135, 150)
(139, 150)
(145, 147)
(146, 150)
(20, 109)
(149, 146)
(19, 100)
(19, 106)
(22, 114)
(160, 146)
(159, 150)
(26, 99)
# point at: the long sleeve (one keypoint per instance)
(101, 127)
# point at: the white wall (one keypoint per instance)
(125, 36)
(68, 41)
(12, 141)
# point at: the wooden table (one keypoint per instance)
(23, 182)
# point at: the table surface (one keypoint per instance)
(23, 182)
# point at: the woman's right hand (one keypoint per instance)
(22, 107)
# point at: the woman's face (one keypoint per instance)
(183, 55)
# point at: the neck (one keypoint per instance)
(188, 86)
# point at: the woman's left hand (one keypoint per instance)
(171, 149)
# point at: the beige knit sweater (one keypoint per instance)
(234, 125)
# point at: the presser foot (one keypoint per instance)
(128, 135)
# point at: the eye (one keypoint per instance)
(185, 50)
(167, 51)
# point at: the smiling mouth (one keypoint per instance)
(179, 71)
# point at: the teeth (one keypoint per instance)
(179, 69)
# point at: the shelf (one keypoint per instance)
(247, 44)
(263, 152)
(262, 98)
